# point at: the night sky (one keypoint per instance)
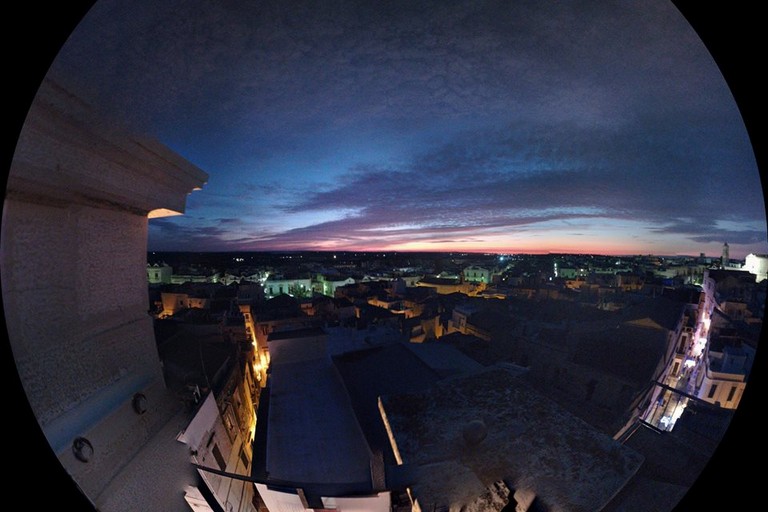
(500, 126)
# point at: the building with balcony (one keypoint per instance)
(217, 379)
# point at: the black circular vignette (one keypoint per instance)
(734, 39)
(37, 35)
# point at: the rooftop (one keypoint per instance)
(476, 348)
(523, 439)
(444, 359)
(296, 333)
(659, 312)
(195, 354)
(628, 351)
(439, 280)
(313, 435)
(369, 373)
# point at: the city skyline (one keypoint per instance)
(431, 127)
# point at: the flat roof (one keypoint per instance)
(313, 435)
(630, 352)
(530, 443)
(343, 339)
(445, 359)
(369, 373)
(304, 332)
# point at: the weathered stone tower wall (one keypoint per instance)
(73, 269)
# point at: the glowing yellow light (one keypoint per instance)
(162, 212)
(252, 428)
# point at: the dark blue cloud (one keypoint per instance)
(650, 175)
(327, 120)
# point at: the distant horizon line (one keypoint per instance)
(478, 253)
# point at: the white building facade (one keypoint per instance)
(296, 287)
(475, 274)
(159, 273)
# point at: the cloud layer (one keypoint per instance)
(516, 125)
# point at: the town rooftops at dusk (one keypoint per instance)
(597, 350)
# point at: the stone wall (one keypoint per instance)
(73, 269)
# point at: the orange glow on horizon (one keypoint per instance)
(604, 247)
(623, 241)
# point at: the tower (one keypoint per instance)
(79, 195)
(725, 258)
